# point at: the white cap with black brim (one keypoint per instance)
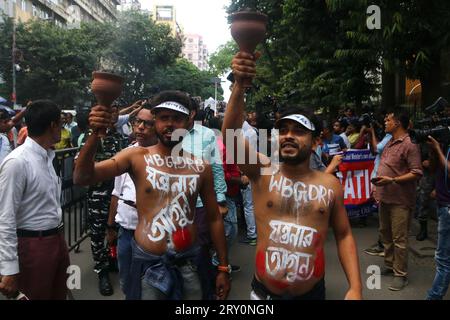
(172, 105)
(299, 118)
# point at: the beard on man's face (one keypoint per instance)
(168, 142)
(303, 153)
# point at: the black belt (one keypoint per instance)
(130, 203)
(316, 293)
(38, 234)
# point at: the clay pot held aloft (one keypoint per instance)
(248, 29)
(106, 87)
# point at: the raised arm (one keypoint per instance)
(243, 66)
(131, 108)
(346, 245)
(87, 171)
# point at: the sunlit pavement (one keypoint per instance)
(420, 279)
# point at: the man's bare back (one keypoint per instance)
(292, 224)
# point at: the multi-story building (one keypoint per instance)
(195, 50)
(129, 5)
(166, 14)
(61, 12)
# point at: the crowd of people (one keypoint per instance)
(167, 185)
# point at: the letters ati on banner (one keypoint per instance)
(354, 173)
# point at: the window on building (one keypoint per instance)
(35, 11)
(23, 5)
(164, 13)
(190, 56)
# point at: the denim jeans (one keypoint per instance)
(230, 222)
(172, 275)
(249, 214)
(230, 226)
(124, 254)
(442, 257)
(192, 289)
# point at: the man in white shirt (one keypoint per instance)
(339, 127)
(123, 201)
(33, 253)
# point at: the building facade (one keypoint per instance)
(195, 50)
(61, 12)
(166, 14)
(129, 5)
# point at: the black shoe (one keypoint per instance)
(235, 268)
(375, 251)
(385, 271)
(249, 241)
(423, 233)
(104, 284)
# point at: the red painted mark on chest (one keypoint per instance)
(260, 264)
(319, 263)
(182, 239)
(317, 239)
(261, 271)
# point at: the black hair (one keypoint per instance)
(4, 115)
(350, 109)
(173, 95)
(195, 102)
(295, 109)
(400, 116)
(215, 123)
(356, 124)
(342, 122)
(326, 124)
(82, 120)
(40, 115)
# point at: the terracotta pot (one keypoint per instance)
(106, 87)
(248, 29)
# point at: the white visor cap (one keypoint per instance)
(304, 121)
(172, 105)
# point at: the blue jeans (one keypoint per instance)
(230, 222)
(442, 257)
(124, 255)
(230, 227)
(192, 288)
(249, 214)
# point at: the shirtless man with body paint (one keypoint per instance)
(294, 205)
(167, 187)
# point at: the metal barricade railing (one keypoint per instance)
(73, 200)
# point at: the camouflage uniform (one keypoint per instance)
(99, 199)
(425, 205)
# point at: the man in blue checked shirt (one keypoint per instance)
(201, 142)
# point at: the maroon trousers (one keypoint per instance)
(43, 266)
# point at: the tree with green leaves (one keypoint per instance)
(185, 76)
(322, 52)
(138, 50)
